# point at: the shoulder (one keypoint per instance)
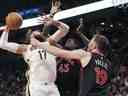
(85, 59)
(85, 56)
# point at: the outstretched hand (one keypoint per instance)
(6, 29)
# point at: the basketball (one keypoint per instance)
(14, 20)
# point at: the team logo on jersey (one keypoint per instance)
(101, 76)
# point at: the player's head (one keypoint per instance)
(36, 34)
(99, 42)
(71, 43)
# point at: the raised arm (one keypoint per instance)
(80, 33)
(63, 28)
(10, 46)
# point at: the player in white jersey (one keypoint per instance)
(42, 73)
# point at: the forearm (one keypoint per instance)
(9, 46)
(63, 29)
(61, 26)
(84, 38)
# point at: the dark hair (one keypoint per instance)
(41, 37)
(102, 43)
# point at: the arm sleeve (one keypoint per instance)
(9, 46)
(63, 29)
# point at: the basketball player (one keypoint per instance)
(96, 74)
(68, 70)
(42, 73)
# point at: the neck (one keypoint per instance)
(97, 52)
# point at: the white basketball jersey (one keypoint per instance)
(42, 65)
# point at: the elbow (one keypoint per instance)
(67, 28)
(64, 27)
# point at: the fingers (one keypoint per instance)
(45, 20)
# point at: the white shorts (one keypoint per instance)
(43, 89)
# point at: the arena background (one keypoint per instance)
(112, 22)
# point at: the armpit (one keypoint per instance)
(86, 59)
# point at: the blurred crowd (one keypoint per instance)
(119, 85)
(11, 85)
(12, 75)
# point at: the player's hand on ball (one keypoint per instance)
(6, 29)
